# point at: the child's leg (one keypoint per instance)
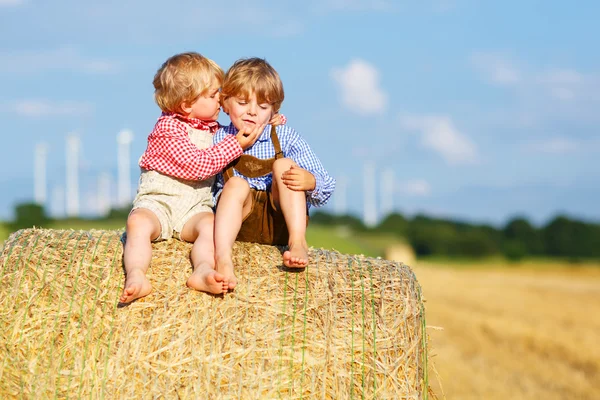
(142, 227)
(199, 230)
(293, 205)
(235, 202)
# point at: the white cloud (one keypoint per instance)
(439, 134)
(12, 3)
(562, 84)
(443, 6)
(542, 95)
(496, 68)
(126, 22)
(44, 108)
(259, 17)
(416, 187)
(360, 88)
(63, 58)
(556, 145)
(328, 6)
(559, 83)
(561, 145)
(562, 77)
(356, 5)
(287, 29)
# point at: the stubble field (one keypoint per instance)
(500, 332)
(513, 333)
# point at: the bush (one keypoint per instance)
(519, 229)
(474, 243)
(350, 221)
(514, 250)
(28, 215)
(119, 213)
(394, 223)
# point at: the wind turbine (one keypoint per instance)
(39, 178)
(57, 202)
(124, 139)
(386, 191)
(103, 199)
(339, 197)
(72, 164)
(370, 205)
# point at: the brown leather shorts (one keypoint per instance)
(265, 224)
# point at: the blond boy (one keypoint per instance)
(264, 196)
(187, 91)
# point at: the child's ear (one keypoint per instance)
(224, 107)
(186, 108)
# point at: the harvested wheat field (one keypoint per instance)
(346, 326)
(513, 333)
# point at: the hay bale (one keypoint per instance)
(346, 326)
(402, 252)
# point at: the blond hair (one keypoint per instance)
(183, 78)
(256, 75)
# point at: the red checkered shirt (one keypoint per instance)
(171, 152)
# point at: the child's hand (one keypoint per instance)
(298, 179)
(278, 119)
(247, 136)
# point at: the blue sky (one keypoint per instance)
(476, 110)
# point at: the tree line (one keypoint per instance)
(562, 236)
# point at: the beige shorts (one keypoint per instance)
(173, 201)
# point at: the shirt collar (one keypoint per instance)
(195, 123)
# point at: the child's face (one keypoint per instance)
(248, 112)
(205, 107)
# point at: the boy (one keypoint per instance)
(264, 196)
(187, 91)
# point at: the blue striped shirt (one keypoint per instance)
(294, 147)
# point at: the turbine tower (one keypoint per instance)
(57, 202)
(124, 139)
(339, 198)
(370, 205)
(387, 191)
(39, 178)
(72, 190)
(103, 200)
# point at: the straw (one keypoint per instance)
(347, 326)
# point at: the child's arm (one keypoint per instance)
(298, 179)
(309, 170)
(171, 152)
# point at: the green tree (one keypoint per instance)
(428, 238)
(564, 237)
(394, 223)
(119, 213)
(352, 222)
(520, 230)
(514, 250)
(28, 215)
(474, 242)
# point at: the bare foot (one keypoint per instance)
(206, 279)
(136, 286)
(226, 268)
(296, 256)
